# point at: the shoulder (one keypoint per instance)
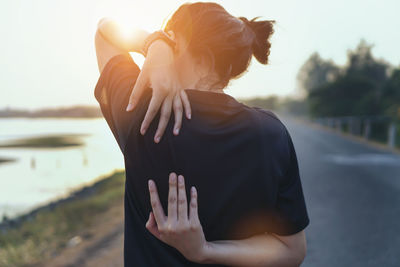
(121, 63)
(267, 123)
(118, 71)
(271, 133)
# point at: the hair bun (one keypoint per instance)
(263, 30)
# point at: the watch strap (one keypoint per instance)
(160, 34)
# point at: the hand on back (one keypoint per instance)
(181, 228)
(159, 73)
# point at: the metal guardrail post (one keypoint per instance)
(392, 135)
(360, 125)
(367, 129)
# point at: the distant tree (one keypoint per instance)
(361, 62)
(391, 95)
(315, 72)
(348, 95)
(358, 89)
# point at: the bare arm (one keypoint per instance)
(111, 40)
(259, 250)
(132, 40)
(157, 71)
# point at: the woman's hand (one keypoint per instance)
(178, 230)
(186, 235)
(158, 72)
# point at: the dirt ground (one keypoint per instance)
(101, 245)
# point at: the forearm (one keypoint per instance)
(131, 40)
(259, 250)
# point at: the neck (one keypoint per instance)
(214, 90)
(204, 84)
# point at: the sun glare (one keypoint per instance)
(130, 19)
(128, 27)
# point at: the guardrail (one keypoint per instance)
(362, 126)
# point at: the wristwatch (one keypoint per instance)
(160, 34)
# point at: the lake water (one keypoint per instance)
(39, 175)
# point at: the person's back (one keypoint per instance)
(241, 161)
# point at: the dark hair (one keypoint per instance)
(227, 41)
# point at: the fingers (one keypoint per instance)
(164, 118)
(193, 213)
(151, 225)
(182, 202)
(154, 105)
(137, 91)
(172, 198)
(177, 206)
(186, 104)
(156, 204)
(158, 99)
(177, 105)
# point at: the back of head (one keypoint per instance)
(228, 42)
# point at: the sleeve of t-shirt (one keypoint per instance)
(292, 216)
(112, 91)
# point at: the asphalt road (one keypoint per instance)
(352, 192)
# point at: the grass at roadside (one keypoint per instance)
(49, 230)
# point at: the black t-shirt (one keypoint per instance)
(241, 160)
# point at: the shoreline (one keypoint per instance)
(38, 236)
(83, 191)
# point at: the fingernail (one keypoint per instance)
(157, 139)
(190, 116)
(180, 179)
(143, 131)
(150, 184)
(129, 107)
(176, 131)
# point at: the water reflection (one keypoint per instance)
(39, 175)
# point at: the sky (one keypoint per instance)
(48, 56)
